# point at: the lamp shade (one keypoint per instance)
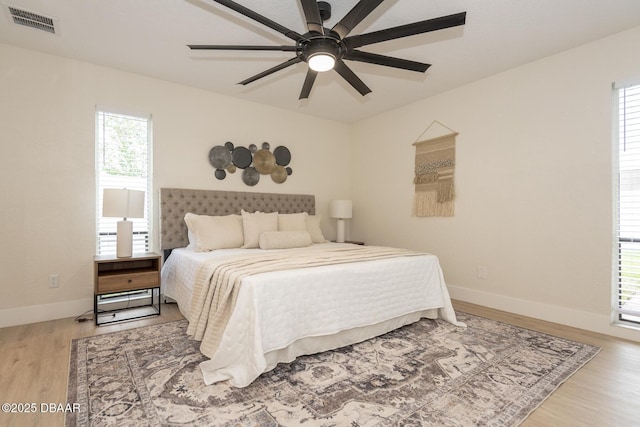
(123, 203)
(341, 209)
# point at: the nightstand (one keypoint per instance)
(126, 288)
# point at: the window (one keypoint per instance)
(123, 160)
(627, 288)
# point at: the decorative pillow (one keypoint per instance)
(313, 227)
(255, 224)
(284, 239)
(207, 233)
(292, 222)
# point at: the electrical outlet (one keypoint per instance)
(481, 271)
(54, 280)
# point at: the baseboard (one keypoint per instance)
(44, 312)
(59, 310)
(548, 312)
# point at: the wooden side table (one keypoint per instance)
(117, 279)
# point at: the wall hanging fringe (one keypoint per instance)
(434, 174)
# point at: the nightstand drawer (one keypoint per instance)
(126, 282)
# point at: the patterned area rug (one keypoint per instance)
(427, 373)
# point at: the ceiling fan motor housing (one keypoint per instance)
(320, 45)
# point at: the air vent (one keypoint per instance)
(31, 19)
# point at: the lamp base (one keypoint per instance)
(340, 231)
(124, 237)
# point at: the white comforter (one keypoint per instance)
(277, 309)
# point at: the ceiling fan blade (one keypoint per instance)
(308, 84)
(351, 78)
(407, 30)
(240, 47)
(272, 70)
(261, 19)
(360, 11)
(312, 15)
(388, 61)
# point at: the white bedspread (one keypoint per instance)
(274, 310)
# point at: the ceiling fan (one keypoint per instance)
(325, 49)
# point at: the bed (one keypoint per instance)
(289, 294)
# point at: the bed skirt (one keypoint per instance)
(310, 345)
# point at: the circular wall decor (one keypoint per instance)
(250, 176)
(254, 162)
(279, 174)
(241, 157)
(283, 155)
(219, 157)
(220, 174)
(264, 162)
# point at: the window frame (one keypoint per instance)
(140, 232)
(619, 315)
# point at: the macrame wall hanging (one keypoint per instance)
(434, 167)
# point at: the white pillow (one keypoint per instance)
(292, 222)
(254, 224)
(284, 239)
(207, 233)
(313, 227)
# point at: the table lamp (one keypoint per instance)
(124, 203)
(341, 210)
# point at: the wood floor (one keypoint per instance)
(34, 366)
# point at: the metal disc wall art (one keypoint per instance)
(254, 162)
(283, 155)
(279, 174)
(241, 157)
(250, 176)
(219, 157)
(264, 162)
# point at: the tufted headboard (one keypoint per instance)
(176, 202)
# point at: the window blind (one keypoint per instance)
(123, 160)
(627, 304)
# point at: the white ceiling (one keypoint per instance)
(149, 37)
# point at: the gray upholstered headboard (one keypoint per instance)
(176, 202)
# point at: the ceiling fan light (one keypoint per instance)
(322, 62)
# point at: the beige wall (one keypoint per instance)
(47, 138)
(533, 176)
(533, 181)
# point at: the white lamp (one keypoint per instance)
(120, 202)
(341, 210)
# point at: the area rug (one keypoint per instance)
(427, 373)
